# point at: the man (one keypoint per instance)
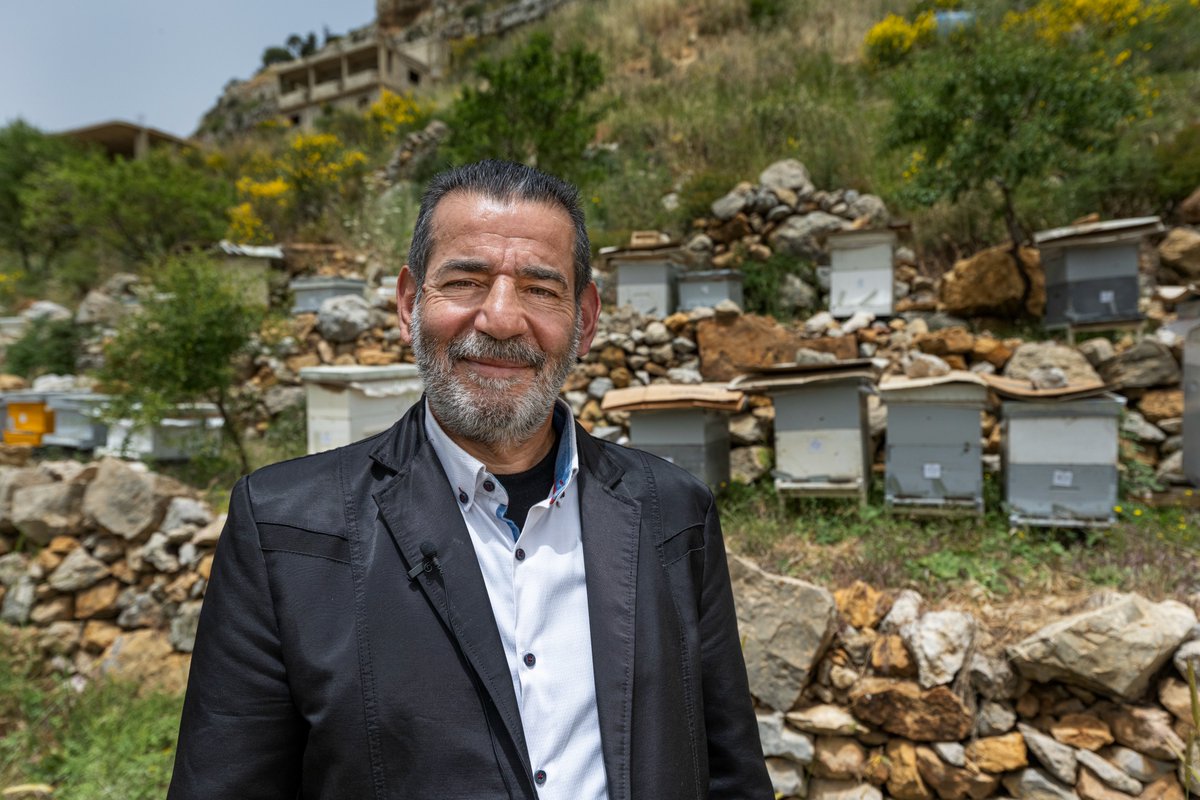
(483, 601)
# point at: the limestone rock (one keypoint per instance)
(902, 708)
(1181, 251)
(998, 753)
(804, 236)
(939, 642)
(906, 608)
(122, 500)
(904, 778)
(1032, 355)
(77, 571)
(780, 741)
(826, 720)
(1115, 649)
(787, 174)
(1138, 428)
(729, 346)
(183, 626)
(1083, 731)
(870, 209)
(1145, 729)
(988, 283)
(1136, 765)
(992, 676)
(1090, 787)
(953, 783)
(1157, 405)
(1097, 350)
(98, 636)
(1148, 363)
(1109, 773)
(1188, 651)
(953, 753)
(1165, 788)
(1033, 784)
(145, 657)
(781, 647)
(210, 533)
(861, 604)
(748, 464)
(788, 778)
(98, 601)
(1189, 209)
(183, 511)
(343, 318)
(890, 658)
(18, 601)
(1055, 756)
(11, 480)
(730, 205)
(993, 718)
(925, 365)
(42, 512)
(839, 757)
(826, 789)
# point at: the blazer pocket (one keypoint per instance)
(678, 545)
(286, 539)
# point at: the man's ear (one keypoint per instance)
(406, 296)
(589, 310)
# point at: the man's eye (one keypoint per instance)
(542, 291)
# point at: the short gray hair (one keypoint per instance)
(503, 181)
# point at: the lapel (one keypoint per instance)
(610, 523)
(417, 506)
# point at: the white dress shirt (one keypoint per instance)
(535, 582)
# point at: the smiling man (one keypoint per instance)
(483, 601)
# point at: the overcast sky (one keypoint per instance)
(69, 63)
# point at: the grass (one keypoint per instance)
(108, 740)
(1155, 552)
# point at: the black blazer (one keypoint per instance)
(321, 671)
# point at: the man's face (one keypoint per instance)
(496, 327)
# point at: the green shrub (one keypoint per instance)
(1178, 162)
(47, 347)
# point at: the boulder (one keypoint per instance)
(1033, 784)
(1115, 649)
(1058, 758)
(1146, 729)
(77, 571)
(343, 318)
(1180, 251)
(1148, 363)
(788, 174)
(998, 753)
(728, 347)
(989, 284)
(781, 647)
(939, 642)
(906, 608)
(1032, 355)
(868, 210)
(826, 720)
(43, 512)
(11, 480)
(730, 205)
(804, 236)
(145, 657)
(904, 777)
(953, 783)
(903, 708)
(122, 500)
(778, 740)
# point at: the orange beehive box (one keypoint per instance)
(30, 417)
(22, 439)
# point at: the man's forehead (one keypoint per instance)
(464, 206)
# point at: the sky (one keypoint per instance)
(70, 63)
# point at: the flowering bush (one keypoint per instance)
(894, 37)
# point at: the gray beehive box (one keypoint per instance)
(1092, 271)
(709, 287)
(309, 293)
(934, 455)
(861, 275)
(1060, 460)
(687, 425)
(77, 421)
(822, 437)
(647, 278)
(1191, 407)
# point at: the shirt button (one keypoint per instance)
(520, 554)
(539, 777)
(462, 497)
(488, 486)
(530, 659)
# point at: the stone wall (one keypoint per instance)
(861, 693)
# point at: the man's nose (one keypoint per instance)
(501, 315)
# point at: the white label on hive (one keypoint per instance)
(932, 472)
(1107, 296)
(1063, 478)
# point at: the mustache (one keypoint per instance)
(476, 345)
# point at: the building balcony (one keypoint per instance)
(326, 91)
(293, 99)
(361, 80)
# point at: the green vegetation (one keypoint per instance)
(47, 347)
(109, 740)
(182, 348)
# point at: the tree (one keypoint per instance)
(143, 209)
(532, 107)
(181, 347)
(1001, 107)
(276, 55)
(24, 150)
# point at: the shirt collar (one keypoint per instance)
(466, 474)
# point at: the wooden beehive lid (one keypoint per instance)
(956, 386)
(662, 396)
(782, 376)
(1017, 389)
(1103, 232)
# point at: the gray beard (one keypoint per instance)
(490, 411)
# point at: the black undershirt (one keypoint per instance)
(527, 489)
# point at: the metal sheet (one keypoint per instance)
(1069, 491)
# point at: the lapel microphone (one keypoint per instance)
(428, 562)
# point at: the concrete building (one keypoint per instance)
(122, 139)
(351, 73)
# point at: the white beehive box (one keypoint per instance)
(647, 277)
(194, 430)
(934, 454)
(346, 404)
(861, 276)
(822, 437)
(1060, 460)
(309, 293)
(709, 287)
(77, 420)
